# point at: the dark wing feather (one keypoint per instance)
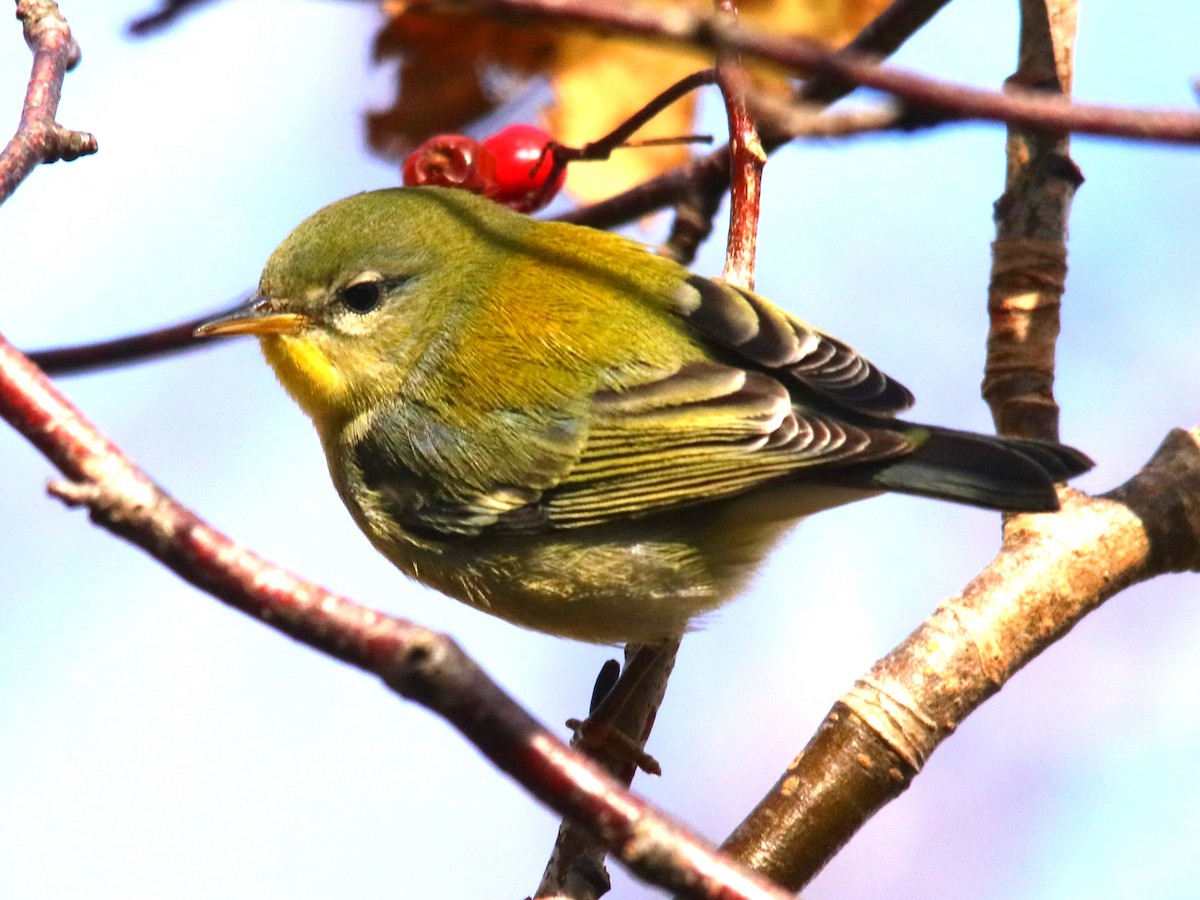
(767, 336)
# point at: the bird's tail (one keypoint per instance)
(1009, 474)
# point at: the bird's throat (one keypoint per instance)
(309, 377)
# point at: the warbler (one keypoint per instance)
(557, 426)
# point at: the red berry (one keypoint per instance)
(451, 160)
(520, 177)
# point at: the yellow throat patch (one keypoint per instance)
(309, 377)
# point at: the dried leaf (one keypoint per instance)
(457, 68)
(453, 70)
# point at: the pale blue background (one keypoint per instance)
(155, 744)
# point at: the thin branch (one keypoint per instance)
(696, 188)
(160, 19)
(801, 56)
(882, 36)
(1051, 571)
(147, 345)
(614, 736)
(602, 148)
(619, 136)
(1029, 255)
(814, 121)
(747, 159)
(413, 661)
(39, 138)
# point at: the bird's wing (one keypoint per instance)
(764, 335)
(707, 432)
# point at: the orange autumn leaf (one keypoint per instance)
(456, 68)
(447, 73)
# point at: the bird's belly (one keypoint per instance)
(579, 586)
(640, 580)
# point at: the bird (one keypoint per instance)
(559, 427)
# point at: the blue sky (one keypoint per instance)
(157, 745)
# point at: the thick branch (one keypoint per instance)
(1051, 571)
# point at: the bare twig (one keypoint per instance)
(170, 11)
(619, 136)
(121, 351)
(883, 36)
(814, 121)
(39, 138)
(602, 148)
(697, 187)
(747, 159)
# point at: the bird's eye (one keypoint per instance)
(361, 297)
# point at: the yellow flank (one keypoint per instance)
(308, 376)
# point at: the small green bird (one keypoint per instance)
(556, 426)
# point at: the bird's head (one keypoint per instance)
(352, 298)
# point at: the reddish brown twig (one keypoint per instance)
(39, 138)
(954, 102)
(747, 159)
(121, 351)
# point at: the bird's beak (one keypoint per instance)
(259, 316)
